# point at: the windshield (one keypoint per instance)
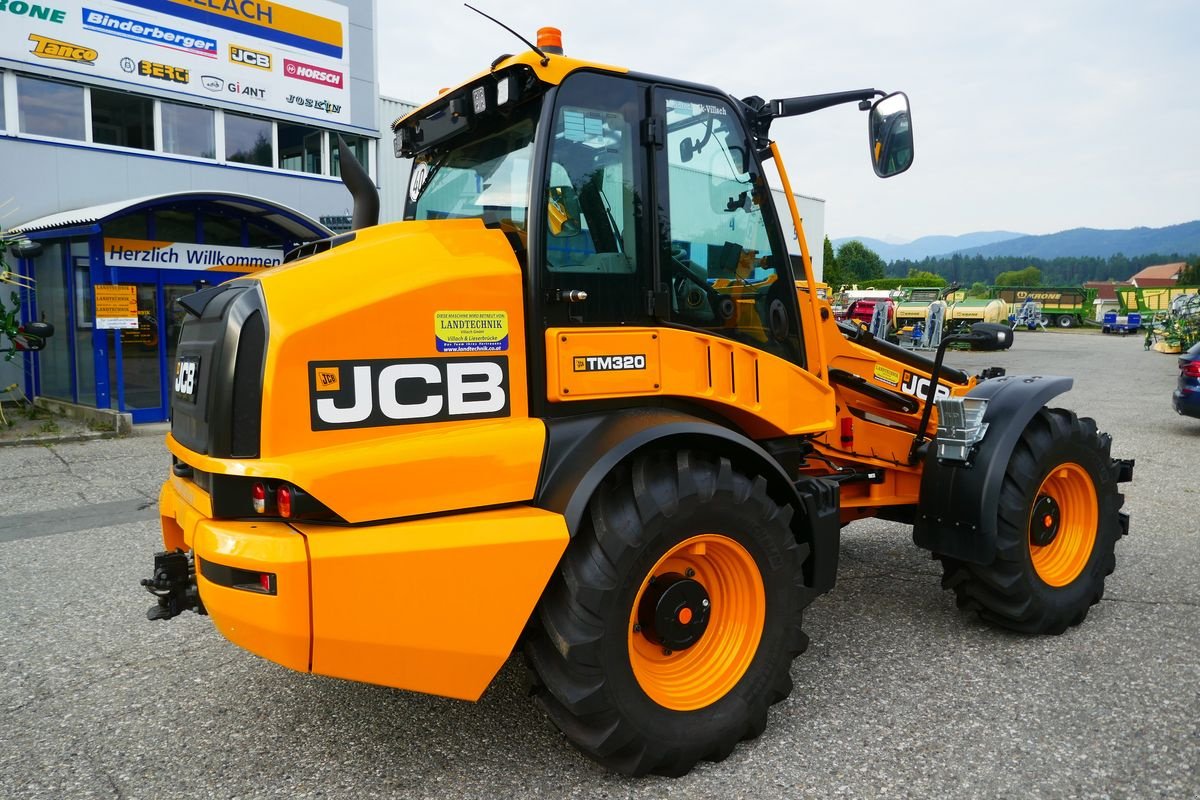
(483, 174)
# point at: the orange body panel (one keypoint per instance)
(762, 393)
(385, 604)
(430, 605)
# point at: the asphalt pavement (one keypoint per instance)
(900, 694)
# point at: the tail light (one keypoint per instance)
(847, 431)
(283, 500)
(1191, 369)
(258, 494)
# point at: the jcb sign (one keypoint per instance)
(368, 394)
(249, 58)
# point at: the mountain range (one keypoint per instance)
(1183, 239)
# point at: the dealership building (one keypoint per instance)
(153, 146)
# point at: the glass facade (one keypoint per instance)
(359, 147)
(300, 148)
(188, 130)
(50, 108)
(122, 119)
(248, 140)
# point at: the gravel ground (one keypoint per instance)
(900, 695)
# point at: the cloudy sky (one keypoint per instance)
(1031, 116)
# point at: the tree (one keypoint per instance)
(921, 277)
(978, 289)
(1030, 276)
(1190, 276)
(859, 263)
(832, 274)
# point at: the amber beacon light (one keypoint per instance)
(550, 40)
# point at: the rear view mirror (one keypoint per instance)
(563, 214)
(890, 129)
(989, 336)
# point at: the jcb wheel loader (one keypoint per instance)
(578, 399)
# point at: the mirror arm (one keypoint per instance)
(793, 106)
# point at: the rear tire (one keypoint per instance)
(1066, 321)
(1056, 532)
(603, 674)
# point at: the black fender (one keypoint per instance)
(959, 502)
(582, 450)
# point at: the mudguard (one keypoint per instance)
(582, 450)
(956, 514)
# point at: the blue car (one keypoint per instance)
(1187, 396)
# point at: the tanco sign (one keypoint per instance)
(307, 72)
(33, 10)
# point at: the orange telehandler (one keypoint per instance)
(577, 399)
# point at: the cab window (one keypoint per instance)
(721, 257)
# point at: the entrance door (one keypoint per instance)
(141, 361)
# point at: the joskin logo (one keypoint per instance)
(608, 363)
(45, 47)
(33, 11)
(163, 72)
(249, 58)
(403, 391)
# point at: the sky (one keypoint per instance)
(1031, 116)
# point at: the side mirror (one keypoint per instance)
(889, 128)
(563, 214)
(988, 336)
(725, 197)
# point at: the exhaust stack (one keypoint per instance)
(362, 189)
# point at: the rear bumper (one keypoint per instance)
(431, 605)
(1186, 402)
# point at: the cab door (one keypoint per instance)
(723, 265)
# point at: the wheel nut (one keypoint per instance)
(667, 651)
(637, 628)
(704, 602)
(691, 573)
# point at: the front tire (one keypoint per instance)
(1056, 533)
(673, 620)
(1066, 321)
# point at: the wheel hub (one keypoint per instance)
(1043, 523)
(674, 611)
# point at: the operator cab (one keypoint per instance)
(629, 199)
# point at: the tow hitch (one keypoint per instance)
(174, 584)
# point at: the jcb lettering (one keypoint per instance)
(401, 391)
(249, 58)
(918, 387)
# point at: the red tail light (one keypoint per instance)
(1191, 369)
(258, 493)
(264, 580)
(847, 431)
(283, 500)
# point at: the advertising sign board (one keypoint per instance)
(290, 57)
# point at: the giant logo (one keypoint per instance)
(378, 392)
(55, 49)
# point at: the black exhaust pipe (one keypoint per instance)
(362, 189)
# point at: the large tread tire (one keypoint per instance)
(1010, 592)
(578, 644)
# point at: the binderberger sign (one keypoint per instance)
(290, 57)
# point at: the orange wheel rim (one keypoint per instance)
(685, 680)
(1062, 525)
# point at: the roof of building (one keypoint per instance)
(1106, 290)
(1159, 275)
(289, 219)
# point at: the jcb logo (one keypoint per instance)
(608, 363)
(185, 376)
(249, 58)
(918, 387)
(403, 391)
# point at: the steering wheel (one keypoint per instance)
(691, 291)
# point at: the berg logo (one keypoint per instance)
(163, 72)
(33, 11)
(45, 47)
(126, 28)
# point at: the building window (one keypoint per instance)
(123, 119)
(188, 130)
(222, 230)
(248, 140)
(174, 226)
(299, 148)
(50, 108)
(2, 125)
(359, 148)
